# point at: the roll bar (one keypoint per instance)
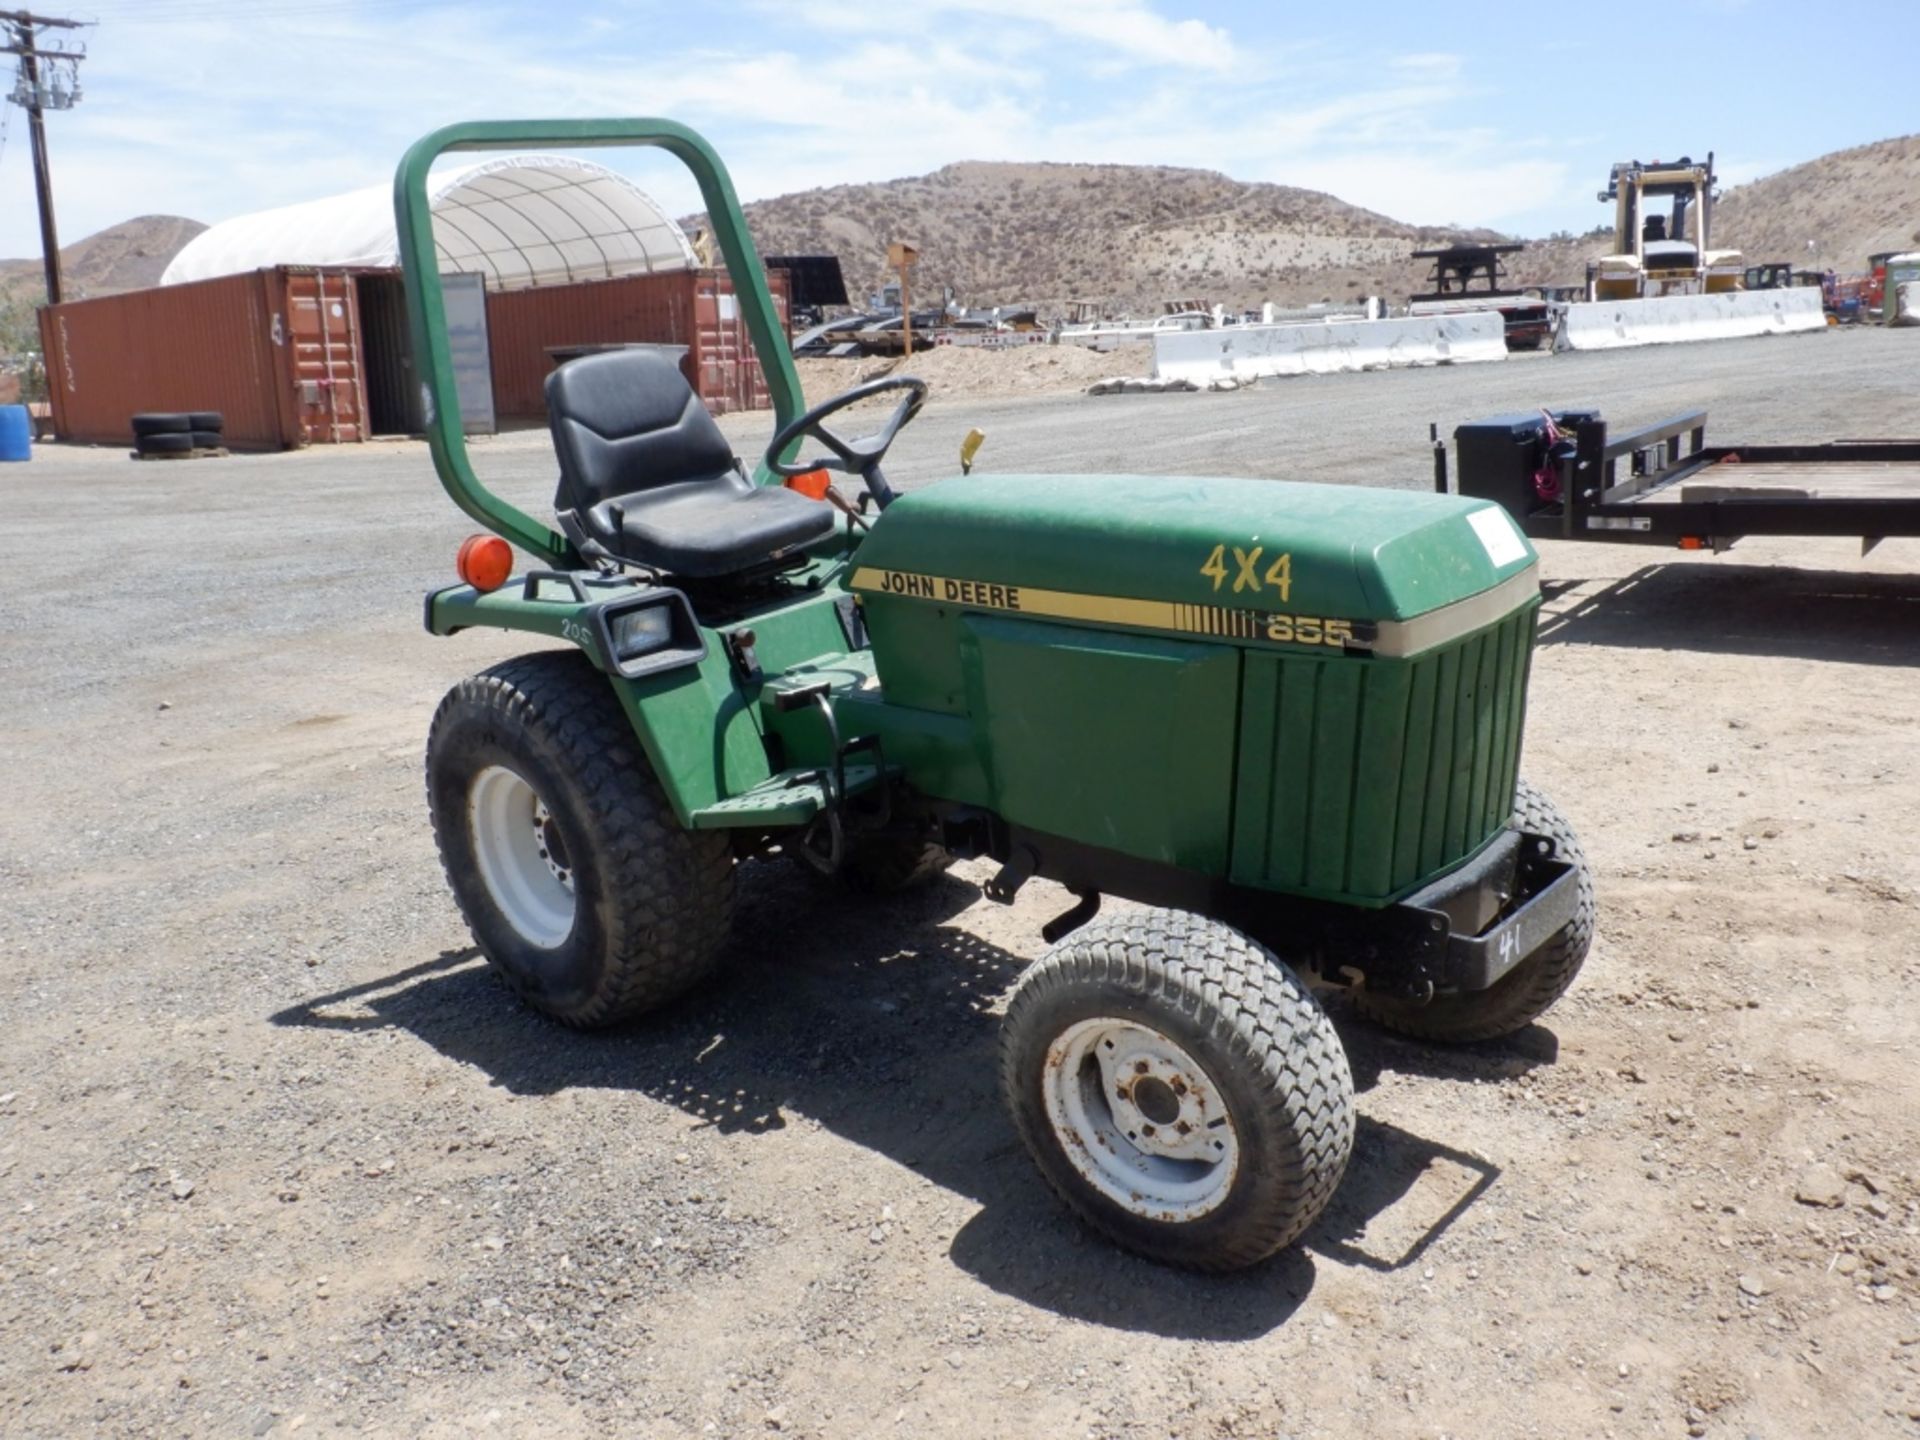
(426, 307)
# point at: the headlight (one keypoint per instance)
(641, 632)
(646, 633)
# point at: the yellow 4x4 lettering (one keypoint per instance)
(1216, 566)
(1247, 573)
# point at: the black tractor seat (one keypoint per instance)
(647, 477)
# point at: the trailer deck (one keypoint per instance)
(1563, 476)
(1735, 478)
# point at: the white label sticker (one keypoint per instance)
(1503, 543)
(729, 309)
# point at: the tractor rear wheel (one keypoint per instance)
(1179, 1088)
(1532, 987)
(580, 887)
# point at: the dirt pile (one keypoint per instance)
(975, 372)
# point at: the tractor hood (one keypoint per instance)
(1258, 560)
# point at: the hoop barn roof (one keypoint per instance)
(522, 221)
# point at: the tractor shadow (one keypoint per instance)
(1860, 618)
(879, 1022)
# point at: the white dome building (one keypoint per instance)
(521, 221)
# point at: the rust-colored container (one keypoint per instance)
(296, 356)
(206, 346)
(323, 371)
(277, 352)
(694, 308)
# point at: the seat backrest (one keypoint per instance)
(627, 421)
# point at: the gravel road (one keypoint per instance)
(277, 1155)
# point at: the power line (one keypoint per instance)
(171, 10)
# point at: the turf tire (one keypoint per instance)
(209, 440)
(165, 443)
(1532, 987)
(652, 902)
(210, 420)
(1264, 1042)
(158, 423)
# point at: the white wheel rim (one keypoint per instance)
(522, 862)
(1140, 1120)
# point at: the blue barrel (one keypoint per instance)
(16, 433)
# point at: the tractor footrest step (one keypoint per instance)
(793, 797)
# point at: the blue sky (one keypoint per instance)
(1508, 117)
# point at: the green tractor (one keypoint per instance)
(1283, 719)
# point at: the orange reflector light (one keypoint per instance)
(484, 562)
(1692, 542)
(813, 484)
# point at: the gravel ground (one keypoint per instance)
(277, 1155)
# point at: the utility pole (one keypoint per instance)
(36, 96)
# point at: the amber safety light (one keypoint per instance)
(484, 562)
(812, 484)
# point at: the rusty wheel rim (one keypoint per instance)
(1140, 1119)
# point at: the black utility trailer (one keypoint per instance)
(1467, 278)
(1562, 476)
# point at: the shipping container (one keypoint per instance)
(326, 388)
(295, 356)
(277, 352)
(694, 308)
(207, 346)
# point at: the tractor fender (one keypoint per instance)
(578, 607)
(460, 607)
(702, 737)
(695, 704)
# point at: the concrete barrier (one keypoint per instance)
(1677, 319)
(1249, 352)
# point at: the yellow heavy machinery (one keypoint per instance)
(1661, 248)
(1663, 284)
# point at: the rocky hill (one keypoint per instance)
(1127, 236)
(127, 256)
(1133, 236)
(1851, 204)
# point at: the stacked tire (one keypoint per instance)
(179, 432)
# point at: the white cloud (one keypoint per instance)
(1439, 188)
(1132, 29)
(252, 112)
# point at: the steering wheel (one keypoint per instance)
(851, 457)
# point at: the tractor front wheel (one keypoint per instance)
(1531, 988)
(1179, 1088)
(563, 854)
